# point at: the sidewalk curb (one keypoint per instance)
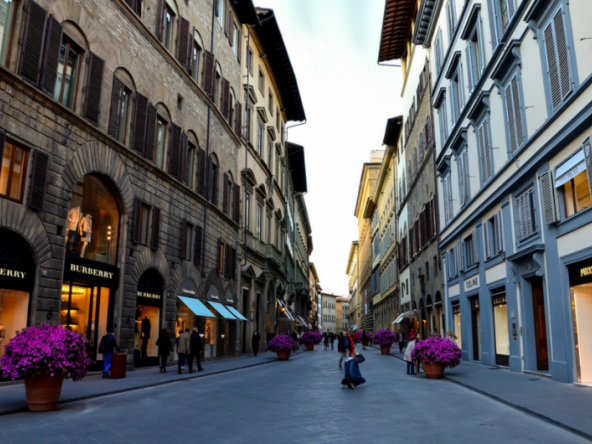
(157, 384)
(514, 406)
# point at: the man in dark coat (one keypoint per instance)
(107, 347)
(195, 350)
(401, 340)
(255, 341)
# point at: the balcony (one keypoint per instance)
(255, 245)
(272, 253)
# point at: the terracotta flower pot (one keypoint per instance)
(284, 355)
(433, 371)
(43, 392)
(310, 346)
(385, 349)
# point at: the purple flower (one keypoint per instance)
(436, 349)
(282, 342)
(384, 337)
(47, 348)
(312, 337)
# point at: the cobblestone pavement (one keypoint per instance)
(299, 401)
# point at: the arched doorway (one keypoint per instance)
(91, 276)
(17, 278)
(148, 318)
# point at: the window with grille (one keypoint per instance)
(525, 215)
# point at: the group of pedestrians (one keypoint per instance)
(329, 340)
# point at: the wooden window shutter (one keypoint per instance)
(38, 186)
(225, 98)
(587, 146)
(470, 65)
(183, 239)
(449, 20)
(492, 14)
(137, 7)
(465, 172)
(209, 179)
(511, 9)
(197, 245)
(499, 240)
(161, 22)
(239, 43)
(33, 43)
(227, 260)
(190, 47)
(209, 73)
(183, 41)
(227, 19)
(446, 198)
(230, 26)
(225, 194)
(483, 152)
(218, 254)
(486, 239)
(517, 112)
(461, 176)
(140, 117)
(94, 89)
(511, 120)
(137, 221)
(49, 67)
(550, 208)
(175, 151)
(557, 52)
(236, 203)
(201, 171)
(183, 158)
(238, 119)
(449, 183)
(475, 250)
(155, 238)
(216, 7)
(151, 126)
(233, 258)
(116, 102)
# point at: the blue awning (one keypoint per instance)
(196, 306)
(236, 313)
(222, 310)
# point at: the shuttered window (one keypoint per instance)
(456, 86)
(33, 43)
(136, 6)
(183, 37)
(195, 64)
(550, 208)
(558, 59)
(118, 113)
(225, 193)
(463, 175)
(443, 122)
(525, 216)
(439, 52)
(225, 99)
(175, 166)
(470, 250)
(209, 72)
(447, 188)
(197, 243)
(94, 88)
(475, 57)
(201, 171)
(513, 104)
(190, 167)
(188, 242)
(485, 151)
(161, 139)
(144, 224)
(155, 237)
(7, 8)
(53, 79)
(151, 126)
(38, 185)
(450, 19)
(236, 203)
(139, 144)
(221, 256)
(238, 120)
(13, 174)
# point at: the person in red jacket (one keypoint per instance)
(355, 336)
(352, 346)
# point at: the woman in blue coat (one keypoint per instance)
(353, 376)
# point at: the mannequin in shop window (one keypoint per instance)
(145, 335)
(73, 233)
(85, 231)
(2, 333)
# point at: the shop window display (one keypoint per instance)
(576, 193)
(210, 337)
(457, 330)
(146, 334)
(93, 221)
(14, 307)
(581, 299)
(500, 319)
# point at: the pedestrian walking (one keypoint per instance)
(451, 337)
(195, 350)
(364, 339)
(341, 340)
(326, 340)
(183, 347)
(407, 357)
(401, 340)
(353, 376)
(255, 341)
(411, 334)
(331, 339)
(164, 348)
(107, 346)
(355, 336)
(417, 362)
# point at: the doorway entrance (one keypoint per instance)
(244, 313)
(476, 321)
(540, 326)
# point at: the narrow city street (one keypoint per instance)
(298, 401)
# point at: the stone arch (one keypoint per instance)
(96, 157)
(27, 224)
(151, 259)
(213, 279)
(179, 274)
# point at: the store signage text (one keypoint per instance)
(144, 294)
(12, 273)
(186, 291)
(472, 283)
(587, 271)
(91, 271)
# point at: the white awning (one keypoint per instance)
(407, 314)
(570, 169)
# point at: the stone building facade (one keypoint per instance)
(127, 121)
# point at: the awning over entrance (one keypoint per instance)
(236, 313)
(222, 310)
(407, 314)
(289, 315)
(196, 306)
(570, 169)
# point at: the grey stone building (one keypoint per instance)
(121, 125)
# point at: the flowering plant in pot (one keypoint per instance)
(436, 354)
(310, 338)
(44, 356)
(384, 338)
(283, 345)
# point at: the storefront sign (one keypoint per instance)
(472, 283)
(144, 294)
(499, 300)
(456, 309)
(16, 275)
(188, 288)
(580, 273)
(80, 269)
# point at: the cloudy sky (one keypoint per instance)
(333, 46)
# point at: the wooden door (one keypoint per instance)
(540, 326)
